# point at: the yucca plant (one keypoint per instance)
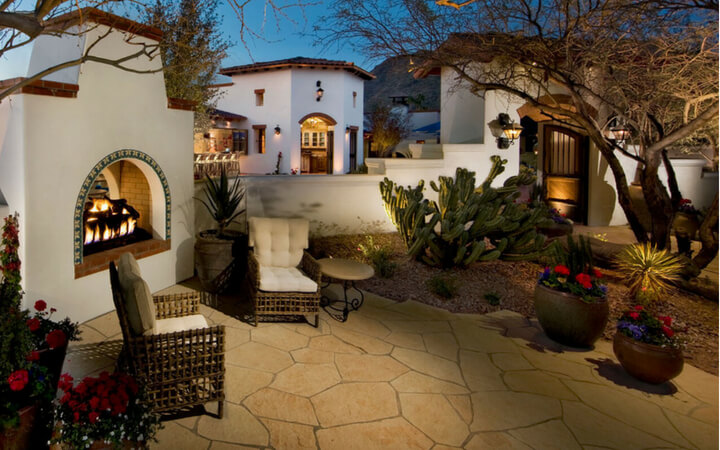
(648, 270)
(223, 200)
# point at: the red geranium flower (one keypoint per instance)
(561, 270)
(40, 305)
(638, 308)
(66, 382)
(76, 417)
(18, 380)
(33, 324)
(56, 338)
(93, 416)
(634, 315)
(597, 273)
(668, 331)
(33, 356)
(584, 279)
(667, 320)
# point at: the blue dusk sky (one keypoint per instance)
(279, 37)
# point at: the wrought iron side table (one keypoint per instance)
(347, 272)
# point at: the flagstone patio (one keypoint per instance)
(406, 375)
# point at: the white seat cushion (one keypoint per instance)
(278, 242)
(139, 304)
(285, 279)
(174, 324)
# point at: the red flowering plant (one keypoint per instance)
(48, 333)
(639, 324)
(686, 206)
(110, 408)
(572, 271)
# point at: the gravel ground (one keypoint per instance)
(514, 283)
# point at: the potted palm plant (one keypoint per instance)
(645, 342)
(215, 249)
(570, 298)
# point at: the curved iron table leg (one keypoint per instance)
(340, 313)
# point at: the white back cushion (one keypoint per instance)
(278, 242)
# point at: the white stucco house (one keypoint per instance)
(310, 110)
(575, 177)
(93, 133)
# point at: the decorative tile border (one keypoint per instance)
(87, 184)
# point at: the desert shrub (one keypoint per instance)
(444, 286)
(379, 256)
(492, 298)
(467, 223)
(648, 271)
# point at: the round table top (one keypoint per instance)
(345, 269)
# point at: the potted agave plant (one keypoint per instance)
(215, 249)
(104, 412)
(570, 298)
(645, 342)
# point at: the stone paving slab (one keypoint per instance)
(407, 375)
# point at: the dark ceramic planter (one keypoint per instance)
(686, 224)
(556, 229)
(53, 360)
(213, 256)
(646, 362)
(20, 437)
(567, 319)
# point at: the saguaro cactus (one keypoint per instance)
(467, 223)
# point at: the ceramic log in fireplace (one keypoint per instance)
(109, 224)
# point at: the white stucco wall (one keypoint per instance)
(289, 96)
(334, 204)
(462, 114)
(62, 139)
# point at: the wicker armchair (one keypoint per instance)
(179, 369)
(277, 287)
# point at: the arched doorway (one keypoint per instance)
(565, 171)
(317, 136)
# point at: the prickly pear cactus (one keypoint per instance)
(467, 223)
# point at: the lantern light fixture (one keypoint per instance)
(277, 130)
(510, 131)
(319, 92)
(621, 133)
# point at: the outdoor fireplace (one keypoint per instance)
(110, 223)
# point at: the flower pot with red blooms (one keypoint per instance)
(686, 221)
(108, 411)
(570, 298)
(647, 346)
(560, 225)
(18, 437)
(50, 339)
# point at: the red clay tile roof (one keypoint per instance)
(299, 62)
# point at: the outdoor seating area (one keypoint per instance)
(211, 164)
(406, 375)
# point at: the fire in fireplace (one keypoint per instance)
(109, 224)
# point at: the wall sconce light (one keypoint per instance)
(617, 131)
(320, 91)
(277, 130)
(347, 130)
(505, 130)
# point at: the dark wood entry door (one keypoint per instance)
(565, 172)
(353, 150)
(330, 148)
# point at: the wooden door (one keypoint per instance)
(330, 147)
(353, 150)
(565, 172)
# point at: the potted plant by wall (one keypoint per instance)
(50, 339)
(109, 411)
(215, 249)
(570, 299)
(645, 342)
(559, 225)
(686, 219)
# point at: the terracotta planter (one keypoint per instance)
(646, 362)
(20, 437)
(567, 319)
(686, 224)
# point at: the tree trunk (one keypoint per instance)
(658, 202)
(623, 192)
(708, 237)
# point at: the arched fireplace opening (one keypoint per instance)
(123, 206)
